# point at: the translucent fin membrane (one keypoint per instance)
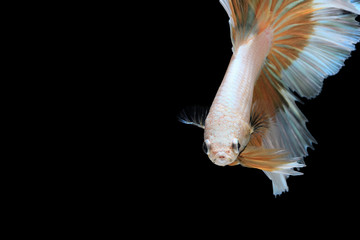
(347, 5)
(245, 18)
(330, 45)
(278, 182)
(356, 3)
(289, 132)
(194, 115)
(275, 163)
(273, 160)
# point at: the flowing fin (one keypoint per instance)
(348, 5)
(356, 4)
(275, 163)
(312, 39)
(195, 115)
(259, 123)
(270, 160)
(335, 34)
(244, 16)
(278, 182)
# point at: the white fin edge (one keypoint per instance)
(278, 182)
(351, 6)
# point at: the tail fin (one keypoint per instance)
(312, 39)
(348, 5)
(246, 18)
(356, 3)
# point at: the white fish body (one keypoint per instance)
(229, 116)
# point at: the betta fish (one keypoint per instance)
(282, 49)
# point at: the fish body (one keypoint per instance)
(280, 47)
(229, 116)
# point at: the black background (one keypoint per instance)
(150, 170)
(113, 151)
(177, 57)
(147, 169)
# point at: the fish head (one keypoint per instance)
(223, 147)
(221, 154)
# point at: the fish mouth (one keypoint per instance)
(222, 159)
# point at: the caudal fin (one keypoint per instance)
(357, 5)
(348, 5)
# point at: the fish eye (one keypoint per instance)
(206, 146)
(236, 146)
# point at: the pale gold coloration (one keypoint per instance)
(229, 115)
